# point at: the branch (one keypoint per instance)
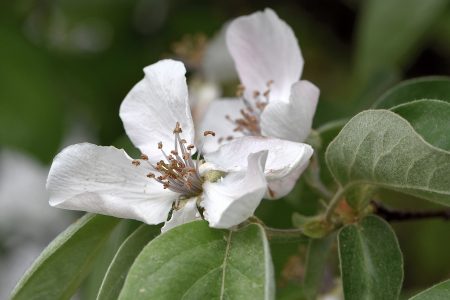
(285, 235)
(397, 215)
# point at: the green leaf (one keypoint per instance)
(316, 258)
(62, 266)
(122, 261)
(381, 148)
(91, 285)
(432, 87)
(439, 291)
(389, 32)
(194, 261)
(370, 259)
(430, 119)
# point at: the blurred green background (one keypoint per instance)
(65, 67)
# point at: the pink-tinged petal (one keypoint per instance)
(215, 119)
(234, 198)
(217, 64)
(185, 214)
(265, 48)
(103, 180)
(286, 160)
(151, 109)
(292, 121)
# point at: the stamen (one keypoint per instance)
(209, 132)
(240, 90)
(178, 172)
(249, 121)
(177, 128)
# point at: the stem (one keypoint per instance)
(314, 181)
(285, 235)
(397, 215)
(334, 202)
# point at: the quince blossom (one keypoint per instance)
(273, 102)
(167, 184)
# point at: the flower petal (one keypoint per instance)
(234, 198)
(154, 105)
(215, 120)
(286, 160)
(265, 48)
(187, 213)
(292, 121)
(217, 63)
(102, 180)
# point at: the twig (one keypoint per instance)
(285, 235)
(398, 215)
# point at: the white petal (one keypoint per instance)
(154, 105)
(102, 180)
(235, 198)
(265, 48)
(285, 162)
(292, 121)
(201, 94)
(215, 120)
(217, 62)
(187, 213)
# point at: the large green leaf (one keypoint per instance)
(389, 31)
(91, 285)
(370, 259)
(440, 291)
(193, 261)
(381, 148)
(430, 119)
(122, 261)
(432, 87)
(61, 267)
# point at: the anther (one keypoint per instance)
(269, 83)
(160, 145)
(151, 175)
(144, 157)
(256, 94)
(209, 132)
(135, 163)
(177, 128)
(190, 147)
(240, 90)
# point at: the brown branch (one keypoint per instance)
(398, 215)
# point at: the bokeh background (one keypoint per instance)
(65, 67)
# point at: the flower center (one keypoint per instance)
(178, 171)
(248, 122)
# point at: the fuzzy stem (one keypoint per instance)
(285, 235)
(334, 203)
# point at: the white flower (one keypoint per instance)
(274, 102)
(226, 188)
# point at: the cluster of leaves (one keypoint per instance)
(402, 144)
